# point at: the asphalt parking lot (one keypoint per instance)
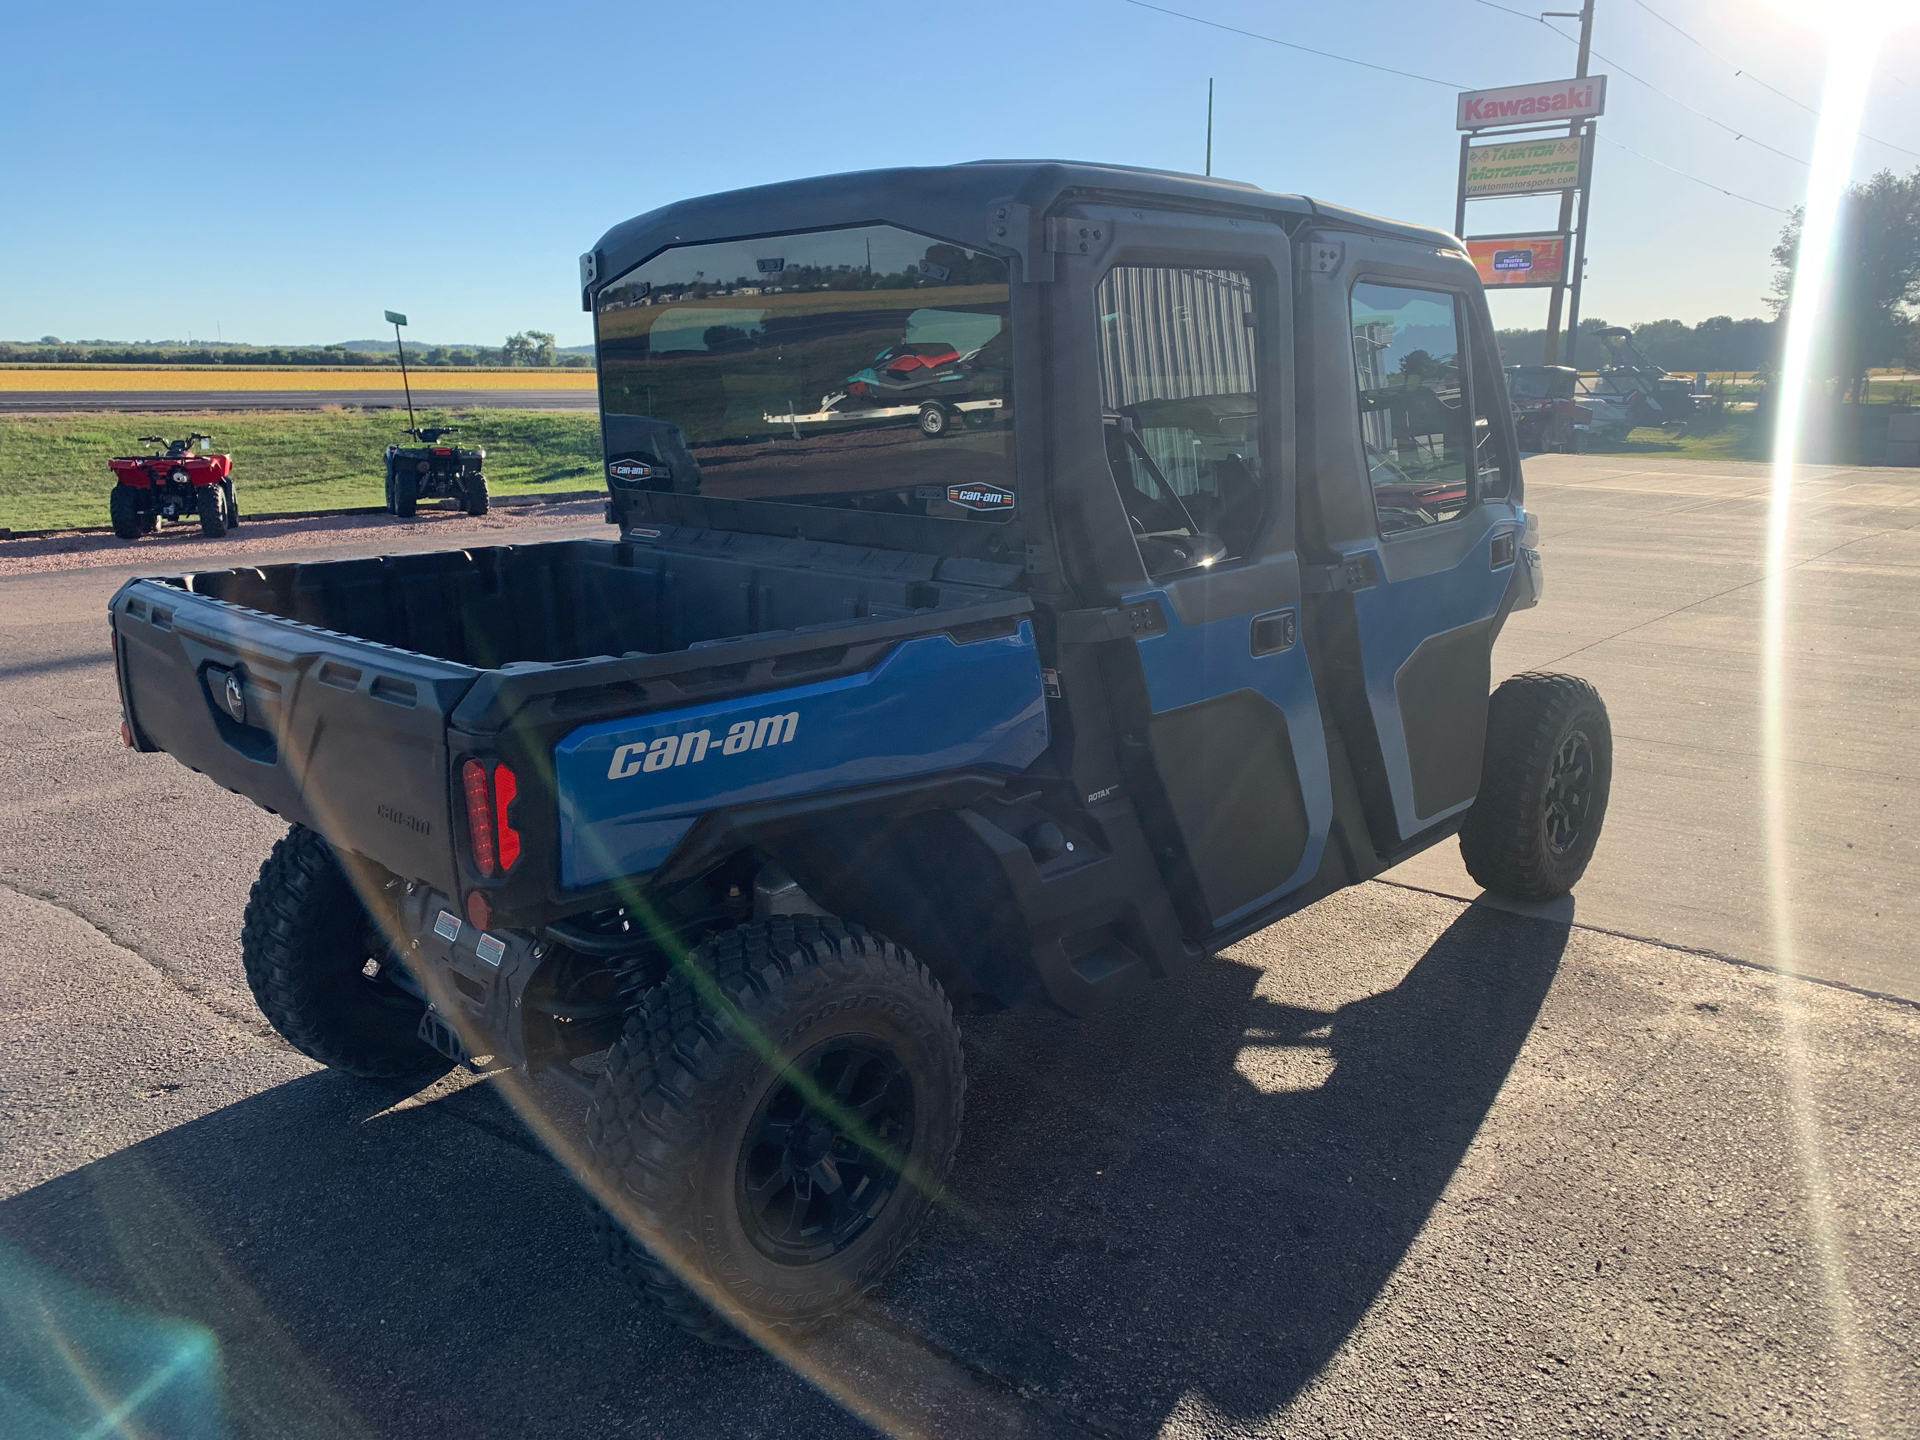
(1401, 1165)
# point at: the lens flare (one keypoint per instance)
(1855, 35)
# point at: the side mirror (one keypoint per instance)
(206, 443)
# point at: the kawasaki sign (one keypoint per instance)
(1532, 104)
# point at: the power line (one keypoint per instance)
(1675, 99)
(1455, 85)
(1749, 75)
(1307, 49)
(1695, 178)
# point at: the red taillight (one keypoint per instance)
(438, 451)
(473, 778)
(496, 844)
(505, 787)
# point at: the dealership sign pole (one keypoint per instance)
(1523, 160)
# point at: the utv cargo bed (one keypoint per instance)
(345, 694)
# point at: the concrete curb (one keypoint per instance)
(555, 497)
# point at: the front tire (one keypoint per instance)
(308, 945)
(774, 1125)
(1543, 789)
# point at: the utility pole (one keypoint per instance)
(1566, 196)
(1210, 122)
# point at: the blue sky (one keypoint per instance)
(281, 174)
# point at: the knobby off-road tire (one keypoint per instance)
(121, 511)
(406, 491)
(1543, 787)
(213, 511)
(767, 1038)
(233, 505)
(307, 942)
(474, 497)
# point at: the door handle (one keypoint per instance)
(1274, 631)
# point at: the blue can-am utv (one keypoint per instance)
(1179, 617)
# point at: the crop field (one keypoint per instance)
(53, 468)
(187, 378)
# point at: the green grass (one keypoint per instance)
(53, 468)
(1736, 437)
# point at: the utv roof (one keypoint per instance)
(962, 203)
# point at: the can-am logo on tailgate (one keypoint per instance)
(694, 746)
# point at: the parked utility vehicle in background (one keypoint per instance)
(433, 471)
(1546, 414)
(174, 483)
(717, 819)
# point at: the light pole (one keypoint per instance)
(396, 319)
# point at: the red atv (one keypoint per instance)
(172, 485)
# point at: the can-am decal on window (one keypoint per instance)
(866, 368)
(988, 498)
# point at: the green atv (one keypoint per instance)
(432, 471)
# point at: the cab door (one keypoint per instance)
(1191, 333)
(1416, 495)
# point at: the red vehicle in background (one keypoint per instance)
(173, 484)
(1546, 414)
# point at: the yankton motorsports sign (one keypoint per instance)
(1524, 167)
(1531, 104)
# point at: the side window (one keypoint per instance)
(1182, 411)
(1407, 354)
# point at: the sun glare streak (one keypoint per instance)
(1854, 36)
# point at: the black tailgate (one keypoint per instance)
(346, 736)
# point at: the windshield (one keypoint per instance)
(1540, 384)
(864, 369)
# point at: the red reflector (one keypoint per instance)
(473, 779)
(438, 451)
(505, 787)
(126, 734)
(479, 914)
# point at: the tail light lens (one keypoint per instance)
(496, 844)
(505, 787)
(473, 779)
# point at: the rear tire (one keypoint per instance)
(406, 491)
(934, 420)
(213, 511)
(719, 1158)
(307, 944)
(233, 505)
(1543, 789)
(123, 511)
(474, 495)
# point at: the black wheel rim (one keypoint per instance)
(823, 1152)
(1569, 792)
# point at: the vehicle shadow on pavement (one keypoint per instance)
(1198, 1195)
(1196, 1199)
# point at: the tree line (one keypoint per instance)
(1872, 323)
(526, 347)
